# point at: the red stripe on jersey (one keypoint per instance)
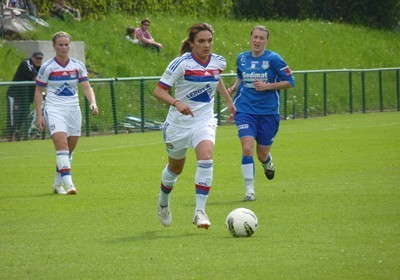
(41, 84)
(61, 73)
(202, 72)
(163, 86)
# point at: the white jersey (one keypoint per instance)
(195, 85)
(61, 82)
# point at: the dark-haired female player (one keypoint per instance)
(190, 122)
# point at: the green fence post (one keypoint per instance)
(351, 92)
(294, 110)
(363, 92)
(219, 109)
(142, 110)
(325, 94)
(26, 110)
(285, 100)
(114, 106)
(380, 91)
(398, 89)
(87, 113)
(305, 96)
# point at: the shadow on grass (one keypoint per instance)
(151, 235)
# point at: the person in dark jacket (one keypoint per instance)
(19, 97)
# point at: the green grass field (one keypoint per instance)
(332, 211)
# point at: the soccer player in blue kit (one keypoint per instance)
(261, 74)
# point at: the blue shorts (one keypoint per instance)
(263, 128)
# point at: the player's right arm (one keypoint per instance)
(38, 105)
(163, 95)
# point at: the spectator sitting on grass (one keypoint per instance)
(145, 37)
(131, 35)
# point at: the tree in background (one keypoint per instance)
(371, 13)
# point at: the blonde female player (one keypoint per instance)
(60, 77)
(261, 75)
(190, 121)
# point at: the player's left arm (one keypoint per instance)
(89, 93)
(284, 77)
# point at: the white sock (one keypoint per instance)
(58, 180)
(168, 180)
(64, 166)
(248, 173)
(203, 181)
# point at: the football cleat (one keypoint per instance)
(59, 190)
(269, 171)
(164, 215)
(71, 189)
(201, 220)
(249, 197)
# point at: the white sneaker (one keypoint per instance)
(201, 220)
(59, 190)
(249, 197)
(71, 189)
(164, 215)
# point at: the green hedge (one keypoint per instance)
(95, 9)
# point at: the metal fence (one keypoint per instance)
(128, 105)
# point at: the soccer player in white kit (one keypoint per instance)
(190, 123)
(60, 77)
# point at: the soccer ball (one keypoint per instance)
(241, 222)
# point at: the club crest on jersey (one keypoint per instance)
(265, 65)
(243, 60)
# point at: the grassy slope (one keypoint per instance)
(305, 45)
(330, 213)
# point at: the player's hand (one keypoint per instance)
(94, 108)
(260, 86)
(231, 90)
(232, 111)
(183, 108)
(41, 123)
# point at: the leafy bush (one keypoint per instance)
(96, 9)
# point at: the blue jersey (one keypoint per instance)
(269, 67)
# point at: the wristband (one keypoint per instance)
(173, 104)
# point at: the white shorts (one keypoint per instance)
(64, 120)
(178, 140)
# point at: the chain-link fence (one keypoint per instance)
(128, 105)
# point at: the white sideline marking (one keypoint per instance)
(160, 142)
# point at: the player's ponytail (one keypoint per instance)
(186, 46)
